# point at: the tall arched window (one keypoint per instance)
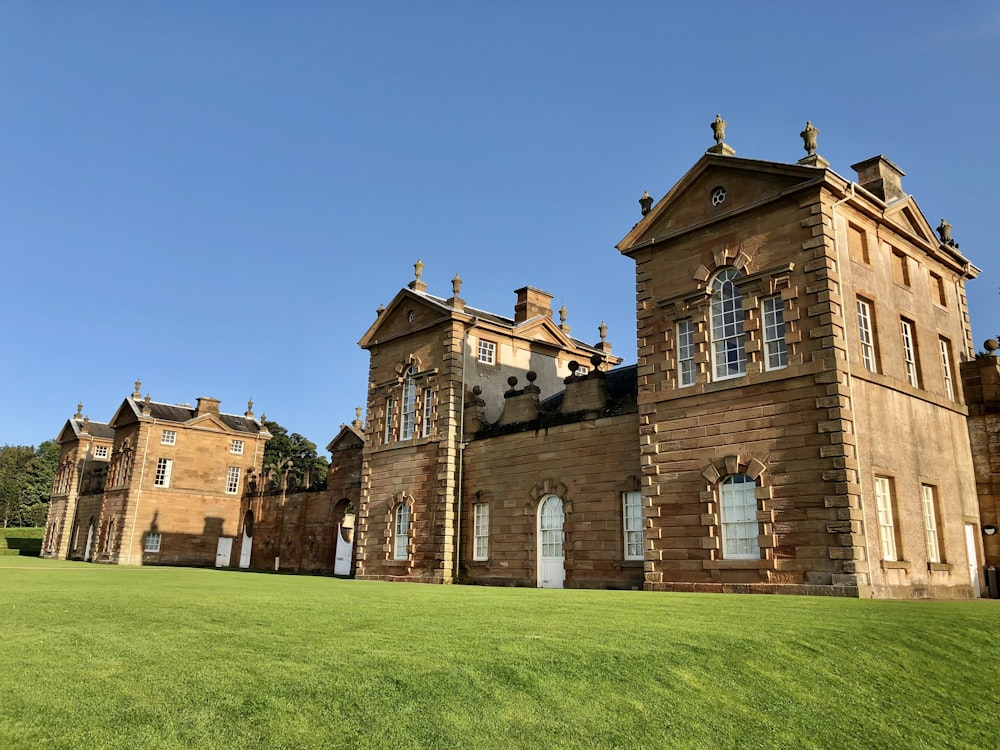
(409, 406)
(401, 532)
(729, 357)
(738, 505)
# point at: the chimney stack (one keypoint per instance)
(531, 302)
(207, 405)
(880, 177)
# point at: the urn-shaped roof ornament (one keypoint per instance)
(646, 202)
(719, 133)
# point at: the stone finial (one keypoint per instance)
(380, 310)
(573, 366)
(85, 427)
(263, 418)
(603, 329)
(79, 411)
(944, 230)
(512, 381)
(249, 412)
(418, 271)
(719, 133)
(719, 129)
(456, 285)
(809, 138)
(991, 345)
(531, 376)
(646, 202)
(357, 417)
(145, 405)
(137, 393)
(562, 320)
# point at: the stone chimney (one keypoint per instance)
(530, 303)
(207, 405)
(880, 177)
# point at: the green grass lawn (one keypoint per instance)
(103, 657)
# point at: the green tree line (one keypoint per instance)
(26, 475)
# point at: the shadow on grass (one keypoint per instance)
(25, 546)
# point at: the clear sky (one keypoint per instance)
(215, 197)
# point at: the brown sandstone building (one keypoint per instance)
(796, 420)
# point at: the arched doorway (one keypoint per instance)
(343, 558)
(246, 544)
(551, 560)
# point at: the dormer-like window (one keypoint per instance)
(729, 357)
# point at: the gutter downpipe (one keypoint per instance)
(847, 361)
(461, 454)
(138, 494)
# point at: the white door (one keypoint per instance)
(223, 552)
(247, 541)
(970, 544)
(345, 547)
(551, 570)
(90, 541)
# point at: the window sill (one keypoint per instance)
(942, 567)
(895, 565)
(737, 564)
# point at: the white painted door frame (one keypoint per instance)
(971, 551)
(551, 556)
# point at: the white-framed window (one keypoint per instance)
(582, 370)
(910, 352)
(685, 353)
(152, 542)
(425, 422)
(232, 480)
(886, 517)
(481, 531)
(401, 535)
(236, 447)
(487, 353)
(944, 346)
(738, 508)
(409, 405)
(164, 466)
(100, 451)
(389, 407)
(168, 437)
(729, 355)
(866, 334)
(775, 350)
(632, 516)
(928, 497)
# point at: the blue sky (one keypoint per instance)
(215, 197)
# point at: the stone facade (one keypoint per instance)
(160, 484)
(795, 422)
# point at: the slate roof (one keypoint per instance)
(183, 413)
(97, 429)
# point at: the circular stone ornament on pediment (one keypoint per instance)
(718, 195)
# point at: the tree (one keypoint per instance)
(302, 453)
(26, 476)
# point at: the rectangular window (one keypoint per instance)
(152, 542)
(582, 370)
(100, 451)
(738, 518)
(937, 290)
(775, 351)
(232, 480)
(163, 469)
(866, 334)
(857, 243)
(401, 537)
(685, 353)
(389, 406)
(481, 531)
(425, 427)
(169, 437)
(949, 377)
(928, 495)
(910, 359)
(408, 410)
(886, 517)
(487, 352)
(900, 268)
(632, 513)
(236, 447)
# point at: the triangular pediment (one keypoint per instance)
(715, 188)
(542, 329)
(209, 422)
(408, 311)
(126, 414)
(348, 437)
(907, 216)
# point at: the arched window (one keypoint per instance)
(729, 357)
(738, 505)
(401, 535)
(409, 406)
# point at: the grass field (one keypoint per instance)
(104, 657)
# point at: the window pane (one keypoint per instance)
(738, 502)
